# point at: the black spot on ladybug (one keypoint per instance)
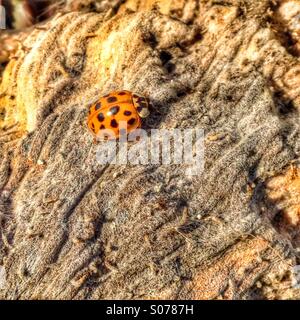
(98, 106)
(127, 113)
(122, 93)
(131, 121)
(112, 99)
(102, 126)
(100, 117)
(114, 110)
(114, 123)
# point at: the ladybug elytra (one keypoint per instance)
(114, 108)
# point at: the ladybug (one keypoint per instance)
(114, 108)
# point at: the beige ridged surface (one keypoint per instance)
(73, 229)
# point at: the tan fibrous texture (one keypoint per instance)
(74, 229)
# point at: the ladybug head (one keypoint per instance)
(142, 105)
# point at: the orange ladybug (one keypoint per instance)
(114, 108)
